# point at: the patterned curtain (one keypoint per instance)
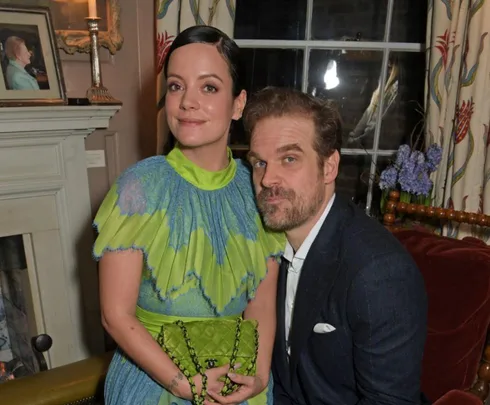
(458, 105)
(174, 16)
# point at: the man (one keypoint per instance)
(351, 303)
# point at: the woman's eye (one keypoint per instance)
(173, 86)
(210, 89)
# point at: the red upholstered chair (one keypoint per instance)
(457, 279)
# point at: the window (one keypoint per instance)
(367, 55)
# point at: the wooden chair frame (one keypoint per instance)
(481, 386)
(394, 206)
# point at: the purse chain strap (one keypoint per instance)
(198, 399)
(230, 386)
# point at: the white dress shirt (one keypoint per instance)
(296, 261)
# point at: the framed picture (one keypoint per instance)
(30, 71)
(71, 27)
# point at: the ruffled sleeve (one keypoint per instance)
(122, 221)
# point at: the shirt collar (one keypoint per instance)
(306, 245)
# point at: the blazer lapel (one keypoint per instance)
(280, 354)
(318, 275)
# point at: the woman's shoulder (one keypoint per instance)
(140, 186)
(121, 221)
(144, 170)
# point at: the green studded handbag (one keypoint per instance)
(196, 346)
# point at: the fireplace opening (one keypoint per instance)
(17, 326)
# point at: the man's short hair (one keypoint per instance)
(274, 102)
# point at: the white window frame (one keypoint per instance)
(384, 46)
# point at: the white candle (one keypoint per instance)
(92, 8)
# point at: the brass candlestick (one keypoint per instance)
(97, 93)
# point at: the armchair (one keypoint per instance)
(457, 278)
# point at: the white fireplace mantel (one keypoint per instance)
(44, 196)
(83, 119)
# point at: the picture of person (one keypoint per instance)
(22, 58)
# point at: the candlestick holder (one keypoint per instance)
(97, 93)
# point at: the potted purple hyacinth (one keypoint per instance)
(410, 174)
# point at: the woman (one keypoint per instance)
(19, 57)
(180, 235)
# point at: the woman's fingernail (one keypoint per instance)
(231, 375)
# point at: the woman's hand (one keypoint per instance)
(249, 387)
(181, 390)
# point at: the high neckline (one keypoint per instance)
(199, 177)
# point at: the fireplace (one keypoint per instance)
(48, 280)
(17, 324)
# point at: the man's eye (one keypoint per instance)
(259, 164)
(289, 159)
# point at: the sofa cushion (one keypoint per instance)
(457, 280)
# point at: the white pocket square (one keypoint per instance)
(323, 328)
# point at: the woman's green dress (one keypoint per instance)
(205, 252)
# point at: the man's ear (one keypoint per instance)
(331, 167)
(239, 105)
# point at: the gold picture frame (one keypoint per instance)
(30, 68)
(77, 41)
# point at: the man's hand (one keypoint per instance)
(248, 387)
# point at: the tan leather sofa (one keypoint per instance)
(79, 383)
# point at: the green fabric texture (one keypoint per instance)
(177, 269)
(154, 321)
(203, 179)
(211, 343)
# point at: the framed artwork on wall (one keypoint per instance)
(71, 28)
(30, 72)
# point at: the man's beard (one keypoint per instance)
(300, 211)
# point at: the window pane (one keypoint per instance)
(342, 20)
(272, 67)
(353, 180)
(409, 21)
(402, 105)
(268, 67)
(270, 19)
(351, 86)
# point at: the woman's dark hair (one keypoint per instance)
(204, 34)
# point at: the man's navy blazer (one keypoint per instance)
(358, 279)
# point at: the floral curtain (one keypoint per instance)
(174, 16)
(458, 105)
